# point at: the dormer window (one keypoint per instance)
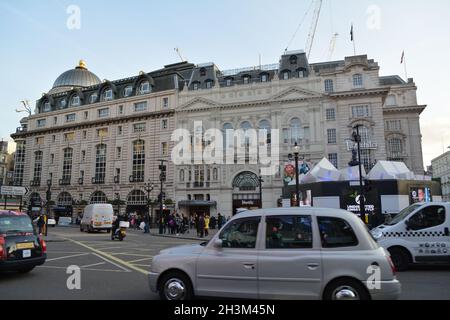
(93, 98)
(202, 72)
(264, 77)
(358, 80)
(195, 86)
(127, 91)
(63, 103)
(301, 73)
(246, 79)
(285, 75)
(208, 84)
(144, 87)
(108, 95)
(47, 106)
(75, 101)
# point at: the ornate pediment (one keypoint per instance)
(295, 94)
(197, 104)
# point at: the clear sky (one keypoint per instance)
(119, 38)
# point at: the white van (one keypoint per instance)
(97, 217)
(420, 233)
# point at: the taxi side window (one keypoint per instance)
(241, 233)
(336, 233)
(428, 217)
(288, 232)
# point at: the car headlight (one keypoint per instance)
(377, 234)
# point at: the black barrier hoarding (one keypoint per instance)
(350, 200)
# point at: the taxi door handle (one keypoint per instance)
(249, 266)
(313, 266)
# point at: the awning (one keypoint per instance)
(196, 203)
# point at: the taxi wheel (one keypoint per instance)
(345, 289)
(400, 258)
(175, 286)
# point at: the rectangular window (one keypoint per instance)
(67, 165)
(52, 158)
(120, 109)
(108, 95)
(331, 114)
(69, 136)
(83, 155)
(358, 81)
(333, 158)
(93, 98)
(165, 102)
(195, 86)
(41, 123)
(84, 134)
(289, 232)
(55, 120)
(336, 233)
(164, 148)
(394, 125)
(70, 117)
(228, 82)
(128, 91)
(329, 87)
(37, 166)
(53, 138)
(102, 113)
(264, 78)
(140, 106)
(86, 115)
(40, 140)
(331, 136)
(360, 111)
(164, 124)
(103, 132)
(139, 127)
(119, 130)
(119, 152)
(47, 107)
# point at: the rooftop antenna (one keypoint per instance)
(178, 51)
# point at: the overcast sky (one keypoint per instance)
(119, 38)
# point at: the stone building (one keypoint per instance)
(441, 171)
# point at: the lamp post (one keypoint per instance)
(296, 151)
(260, 179)
(162, 179)
(148, 187)
(48, 198)
(357, 139)
(118, 203)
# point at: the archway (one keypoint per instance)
(98, 197)
(246, 191)
(137, 203)
(64, 205)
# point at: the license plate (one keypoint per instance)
(26, 253)
(97, 224)
(28, 245)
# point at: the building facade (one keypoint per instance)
(98, 141)
(441, 171)
(314, 105)
(3, 161)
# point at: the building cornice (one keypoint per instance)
(411, 109)
(360, 93)
(96, 123)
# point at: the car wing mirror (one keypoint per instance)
(218, 244)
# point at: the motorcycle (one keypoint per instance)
(121, 232)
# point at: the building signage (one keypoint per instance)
(419, 195)
(289, 171)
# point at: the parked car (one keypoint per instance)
(283, 253)
(51, 222)
(420, 233)
(97, 217)
(21, 248)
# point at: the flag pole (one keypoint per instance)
(406, 70)
(352, 34)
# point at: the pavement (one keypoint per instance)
(190, 235)
(114, 270)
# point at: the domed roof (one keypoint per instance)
(75, 78)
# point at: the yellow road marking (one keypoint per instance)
(110, 257)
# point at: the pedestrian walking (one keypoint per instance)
(201, 226)
(207, 225)
(40, 223)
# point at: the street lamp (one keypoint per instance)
(48, 198)
(260, 179)
(296, 151)
(357, 138)
(148, 187)
(118, 203)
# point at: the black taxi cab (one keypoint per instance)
(21, 248)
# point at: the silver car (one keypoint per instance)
(293, 253)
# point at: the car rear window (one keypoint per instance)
(11, 224)
(336, 233)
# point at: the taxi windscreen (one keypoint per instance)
(12, 224)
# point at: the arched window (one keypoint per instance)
(226, 142)
(195, 85)
(181, 175)
(47, 106)
(285, 74)
(64, 199)
(265, 125)
(98, 197)
(144, 87)
(67, 165)
(295, 130)
(364, 132)
(246, 181)
(100, 163)
(35, 199)
(329, 87)
(246, 126)
(127, 91)
(202, 72)
(358, 80)
(75, 101)
(264, 77)
(137, 198)
(293, 60)
(138, 160)
(209, 84)
(215, 174)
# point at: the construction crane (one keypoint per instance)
(177, 50)
(313, 28)
(332, 46)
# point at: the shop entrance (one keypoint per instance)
(246, 191)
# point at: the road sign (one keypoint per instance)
(13, 191)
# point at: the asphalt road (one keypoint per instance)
(116, 270)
